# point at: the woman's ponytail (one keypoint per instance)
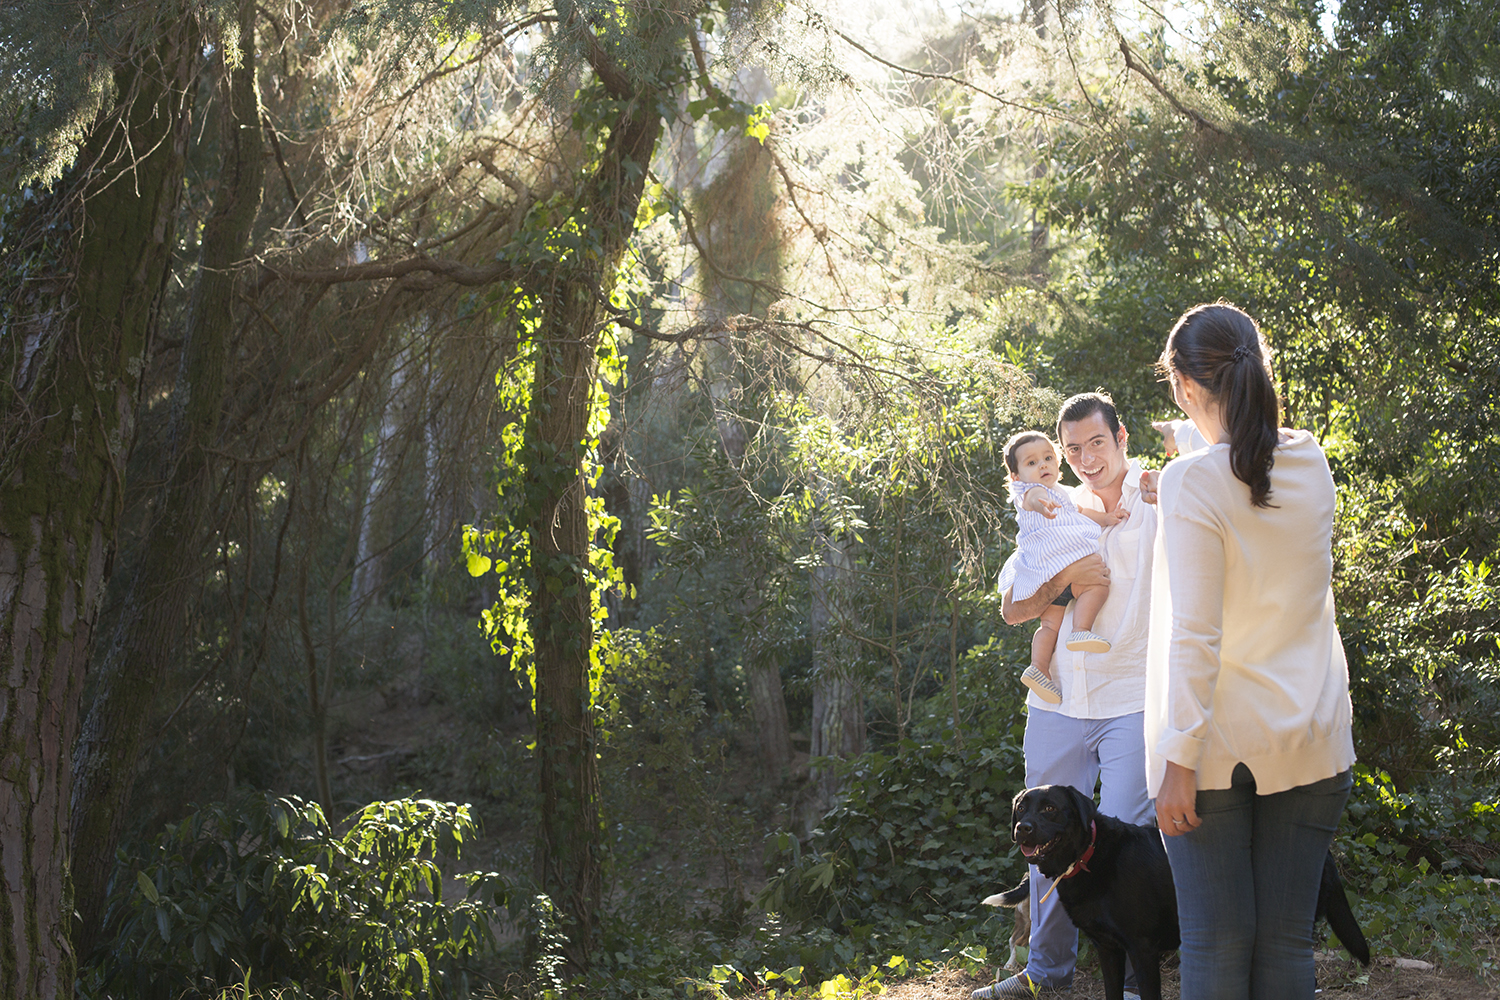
(1220, 347)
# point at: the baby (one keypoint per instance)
(1053, 533)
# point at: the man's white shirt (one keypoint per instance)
(1107, 685)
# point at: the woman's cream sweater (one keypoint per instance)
(1244, 662)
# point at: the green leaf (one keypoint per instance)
(478, 564)
(148, 887)
(426, 972)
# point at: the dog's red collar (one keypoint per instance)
(1082, 864)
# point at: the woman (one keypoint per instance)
(1248, 737)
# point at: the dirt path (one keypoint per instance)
(1339, 978)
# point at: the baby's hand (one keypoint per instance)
(1117, 515)
(1038, 501)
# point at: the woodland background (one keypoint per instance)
(504, 497)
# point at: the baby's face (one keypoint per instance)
(1036, 462)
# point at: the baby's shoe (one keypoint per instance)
(1043, 685)
(1084, 641)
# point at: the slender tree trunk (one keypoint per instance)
(768, 706)
(763, 665)
(375, 515)
(440, 483)
(154, 618)
(958, 736)
(568, 850)
(69, 404)
(838, 717)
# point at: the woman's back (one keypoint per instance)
(1251, 606)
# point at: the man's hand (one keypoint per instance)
(1038, 501)
(1089, 571)
(1176, 802)
(1149, 480)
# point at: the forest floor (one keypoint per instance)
(1339, 977)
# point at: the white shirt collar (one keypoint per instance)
(1131, 482)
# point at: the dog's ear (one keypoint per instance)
(1083, 805)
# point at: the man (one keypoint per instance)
(1097, 731)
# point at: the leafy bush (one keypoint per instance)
(1420, 629)
(675, 880)
(263, 893)
(1423, 867)
(900, 865)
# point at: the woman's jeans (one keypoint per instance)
(1247, 888)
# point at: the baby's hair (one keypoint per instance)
(1014, 443)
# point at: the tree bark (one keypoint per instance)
(838, 717)
(374, 527)
(70, 402)
(153, 620)
(768, 706)
(569, 842)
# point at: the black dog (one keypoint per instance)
(1114, 881)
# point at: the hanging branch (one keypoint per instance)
(1195, 117)
(927, 75)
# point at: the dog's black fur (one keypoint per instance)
(1123, 897)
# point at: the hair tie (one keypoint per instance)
(1242, 352)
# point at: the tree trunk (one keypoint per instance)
(838, 717)
(70, 404)
(375, 515)
(568, 849)
(154, 617)
(768, 706)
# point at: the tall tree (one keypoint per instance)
(568, 860)
(84, 271)
(154, 616)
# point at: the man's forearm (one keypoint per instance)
(1016, 612)
(1089, 571)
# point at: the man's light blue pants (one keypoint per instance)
(1061, 750)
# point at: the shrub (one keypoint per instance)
(263, 892)
(1423, 864)
(900, 865)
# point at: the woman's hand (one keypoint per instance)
(1175, 802)
(1168, 431)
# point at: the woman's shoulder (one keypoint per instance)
(1196, 484)
(1293, 440)
(1298, 454)
(1196, 465)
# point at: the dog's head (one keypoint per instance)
(1051, 824)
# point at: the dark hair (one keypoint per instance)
(1013, 445)
(1221, 348)
(1085, 405)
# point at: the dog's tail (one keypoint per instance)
(1014, 897)
(1334, 904)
